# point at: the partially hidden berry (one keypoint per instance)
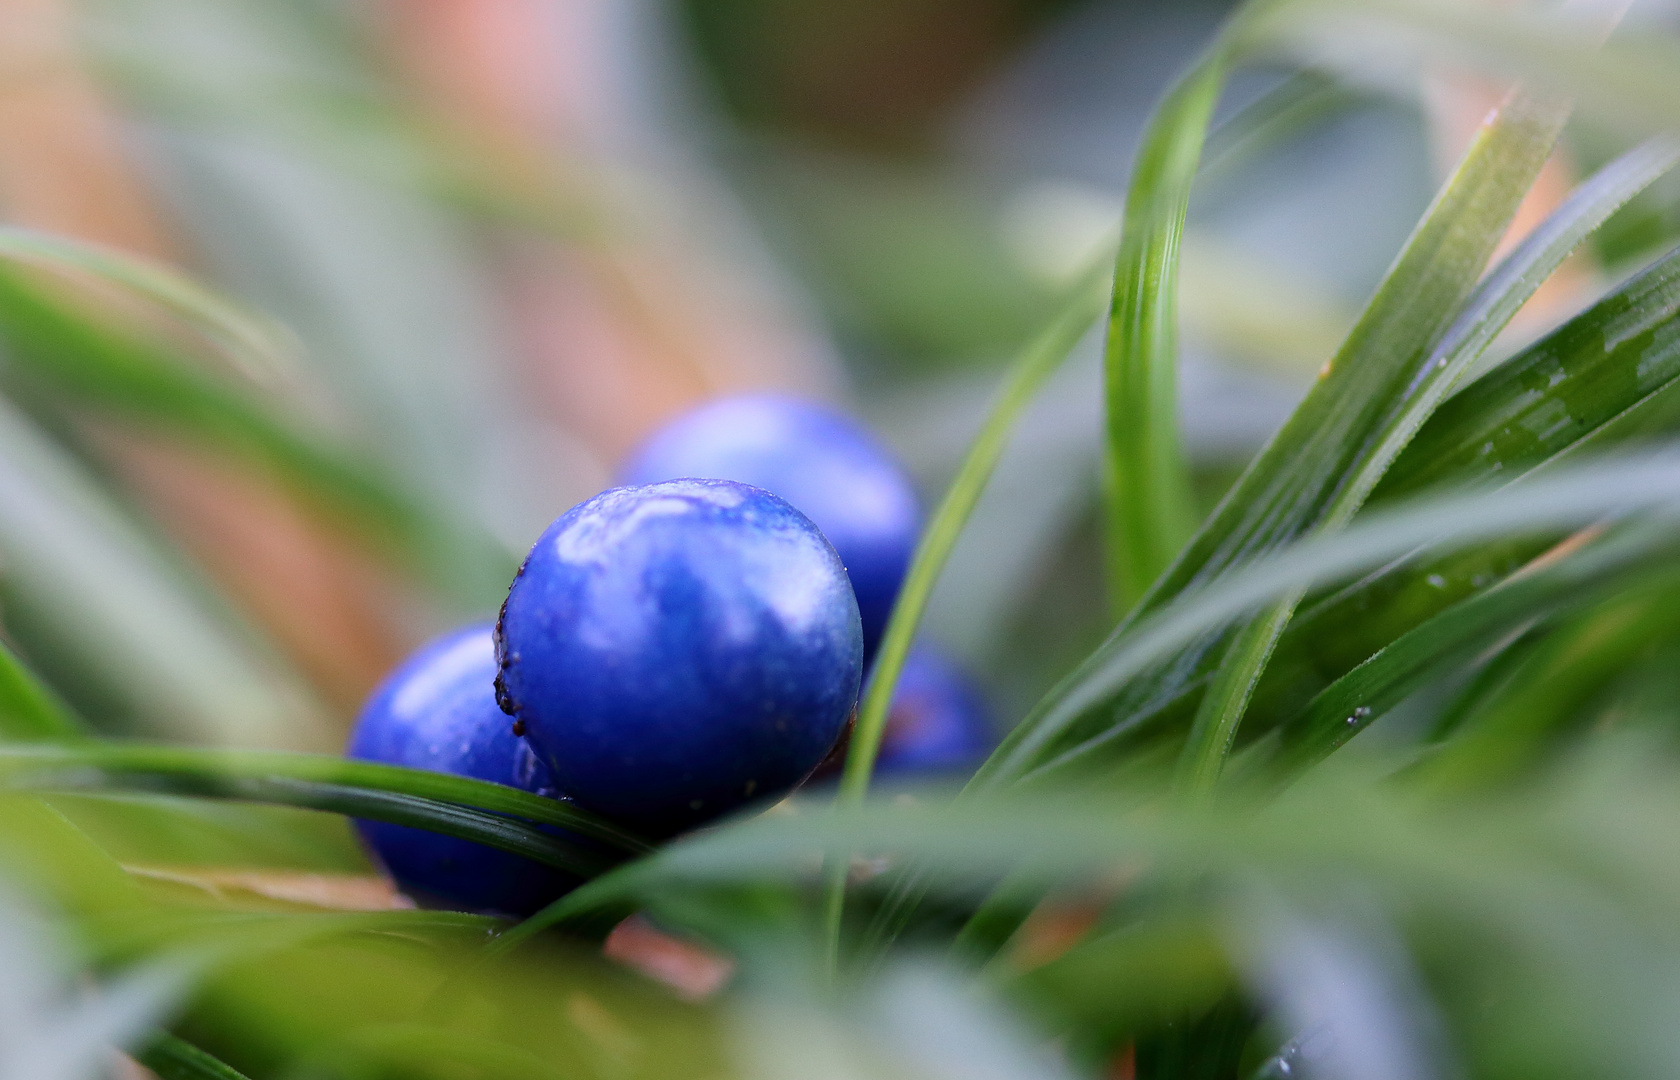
(937, 724)
(826, 464)
(438, 711)
(937, 727)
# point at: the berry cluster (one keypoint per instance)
(676, 648)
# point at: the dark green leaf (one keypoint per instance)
(472, 809)
(28, 709)
(176, 1059)
(1455, 637)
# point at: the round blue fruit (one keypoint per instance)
(937, 724)
(679, 649)
(438, 711)
(822, 462)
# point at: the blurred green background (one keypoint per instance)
(483, 247)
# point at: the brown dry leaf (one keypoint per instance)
(693, 971)
(333, 892)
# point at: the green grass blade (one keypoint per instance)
(1607, 377)
(28, 708)
(257, 346)
(1584, 384)
(597, 904)
(1448, 641)
(126, 633)
(1214, 729)
(176, 1059)
(1385, 379)
(1037, 363)
(272, 774)
(1554, 686)
(92, 365)
(1570, 497)
(1531, 134)
(1147, 477)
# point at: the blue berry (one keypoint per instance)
(679, 649)
(438, 711)
(822, 462)
(937, 724)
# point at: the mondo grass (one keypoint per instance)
(1373, 772)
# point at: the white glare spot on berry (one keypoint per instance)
(593, 536)
(422, 690)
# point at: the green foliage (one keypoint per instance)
(1147, 475)
(1376, 776)
(101, 367)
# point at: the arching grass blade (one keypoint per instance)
(313, 780)
(1036, 364)
(1146, 474)
(74, 358)
(28, 708)
(1534, 128)
(172, 1058)
(1569, 497)
(254, 345)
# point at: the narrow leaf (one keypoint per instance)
(94, 365)
(176, 1059)
(28, 708)
(1532, 130)
(315, 780)
(258, 347)
(1569, 497)
(1454, 637)
(1318, 469)
(1147, 478)
(1036, 364)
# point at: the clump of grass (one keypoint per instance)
(1180, 862)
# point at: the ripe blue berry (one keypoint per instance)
(937, 724)
(826, 464)
(438, 711)
(678, 649)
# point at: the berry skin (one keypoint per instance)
(438, 711)
(679, 649)
(937, 724)
(826, 464)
